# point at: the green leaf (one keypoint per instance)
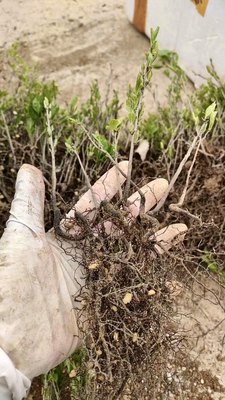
(195, 118)
(114, 124)
(154, 34)
(213, 267)
(170, 152)
(3, 93)
(211, 264)
(101, 140)
(204, 127)
(46, 103)
(139, 82)
(212, 119)
(161, 145)
(73, 103)
(30, 126)
(168, 56)
(150, 58)
(210, 109)
(104, 143)
(37, 106)
(165, 53)
(150, 75)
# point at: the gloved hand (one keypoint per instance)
(38, 280)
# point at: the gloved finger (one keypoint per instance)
(152, 192)
(104, 189)
(27, 208)
(169, 236)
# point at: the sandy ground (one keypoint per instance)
(202, 315)
(74, 42)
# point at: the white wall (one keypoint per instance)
(195, 38)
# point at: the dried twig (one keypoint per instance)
(177, 207)
(196, 139)
(52, 150)
(9, 137)
(86, 178)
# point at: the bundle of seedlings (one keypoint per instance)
(127, 299)
(131, 327)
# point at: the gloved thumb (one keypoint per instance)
(27, 209)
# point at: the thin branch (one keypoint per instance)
(134, 133)
(52, 150)
(9, 137)
(116, 140)
(86, 178)
(177, 207)
(178, 171)
(131, 154)
(181, 201)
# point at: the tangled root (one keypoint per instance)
(128, 301)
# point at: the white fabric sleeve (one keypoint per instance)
(13, 383)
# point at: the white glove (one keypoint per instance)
(38, 323)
